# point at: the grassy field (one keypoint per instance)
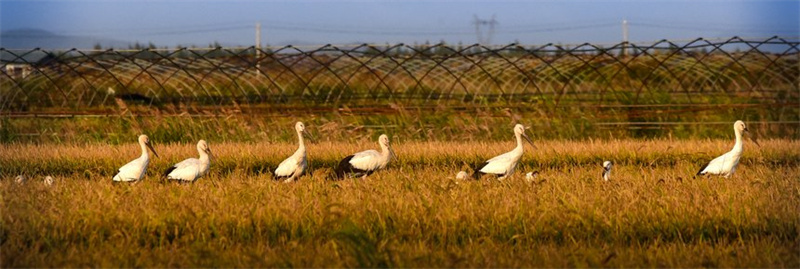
(652, 213)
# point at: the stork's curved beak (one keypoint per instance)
(151, 148)
(308, 135)
(529, 140)
(752, 138)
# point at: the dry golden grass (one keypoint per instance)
(414, 214)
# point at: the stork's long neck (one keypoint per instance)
(204, 158)
(738, 146)
(386, 151)
(519, 143)
(300, 142)
(144, 152)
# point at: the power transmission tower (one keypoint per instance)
(478, 24)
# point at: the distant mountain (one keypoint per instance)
(38, 38)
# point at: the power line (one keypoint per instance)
(561, 28)
(439, 33)
(208, 30)
(339, 29)
(160, 29)
(702, 29)
(702, 26)
(494, 28)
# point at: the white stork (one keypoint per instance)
(293, 167)
(135, 170)
(607, 170)
(530, 177)
(725, 165)
(368, 161)
(191, 169)
(503, 165)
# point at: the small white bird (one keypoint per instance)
(135, 170)
(293, 167)
(48, 180)
(530, 177)
(20, 179)
(368, 161)
(191, 169)
(725, 165)
(504, 165)
(606, 170)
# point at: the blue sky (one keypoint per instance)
(171, 23)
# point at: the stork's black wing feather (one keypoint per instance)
(169, 170)
(702, 168)
(476, 170)
(276, 177)
(345, 167)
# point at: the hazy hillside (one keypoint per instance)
(37, 38)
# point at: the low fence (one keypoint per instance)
(624, 84)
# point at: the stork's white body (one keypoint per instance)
(368, 161)
(136, 169)
(191, 169)
(607, 170)
(530, 177)
(294, 166)
(725, 165)
(504, 165)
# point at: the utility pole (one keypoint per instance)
(258, 48)
(624, 36)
